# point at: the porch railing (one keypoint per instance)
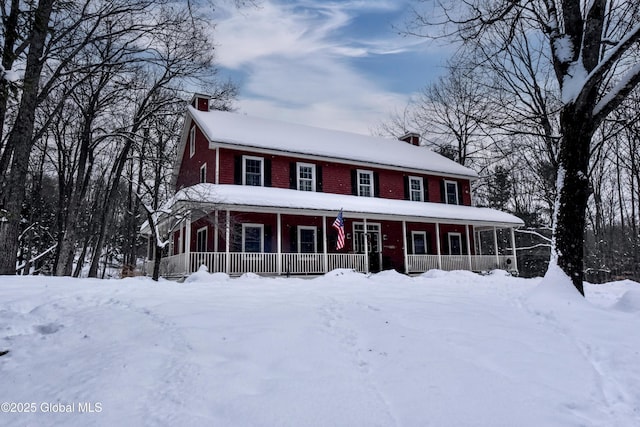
(420, 263)
(295, 263)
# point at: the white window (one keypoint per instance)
(252, 171)
(203, 173)
(455, 244)
(365, 183)
(416, 189)
(451, 192)
(419, 241)
(252, 238)
(307, 242)
(192, 141)
(201, 240)
(306, 174)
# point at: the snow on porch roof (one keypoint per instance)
(233, 128)
(279, 198)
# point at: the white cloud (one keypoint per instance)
(298, 70)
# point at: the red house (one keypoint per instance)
(255, 195)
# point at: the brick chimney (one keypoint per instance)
(200, 102)
(412, 138)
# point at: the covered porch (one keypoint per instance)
(278, 237)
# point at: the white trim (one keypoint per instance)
(371, 185)
(203, 173)
(449, 236)
(192, 141)
(421, 191)
(413, 242)
(244, 169)
(261, 227)
(446, 192)
(206, 239)
(313, 174)
(315, 237)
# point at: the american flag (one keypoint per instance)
(338, 224)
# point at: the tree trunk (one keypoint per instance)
(21, 141)
(573, 194)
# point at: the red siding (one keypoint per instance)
(336, 177)
(190, 166)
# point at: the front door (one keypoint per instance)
(374, 247)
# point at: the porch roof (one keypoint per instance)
(286, 201)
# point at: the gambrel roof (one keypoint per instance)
(221, 127)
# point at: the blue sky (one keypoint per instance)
(333, 64)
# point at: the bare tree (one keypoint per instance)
(592, 47)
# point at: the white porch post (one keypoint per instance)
(495, 245)
(366, 247)
(187, 244)
(479, 240)
(227, 257)
(216, 230)
(181, 242)
(513, 249)
(279, 244)
(469, 247)
(439, 251)
(324, 243)
(404, 247)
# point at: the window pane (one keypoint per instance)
(456, 246)
(253, 172)
(305, 178)
(419, 245)
(452, 193)
(307, 241)
(416, 189)
(364, 187)
(253, 239)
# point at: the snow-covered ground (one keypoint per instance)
(344, 349)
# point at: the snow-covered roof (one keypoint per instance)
(233, 128)
(280, 198)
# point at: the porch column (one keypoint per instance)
(227, 258)
(479, 240)
(279, 244)
(513, 249)
(366, 247)
(404, 247)
(187, 244)
(495, 245)
(324, 243)
(181, 242)
(439, 252)
(469, 248)
(216, 230)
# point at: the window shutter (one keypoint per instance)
(443, 195)
(237, 170)
(320, 240)
(460, 193)
(354, 182)
(409, 243)
(293, 171)
(376, 184)
(293, 234)
(319, 178)
(407, 194)
(425, 189)
(267, 238)
(267, 173)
